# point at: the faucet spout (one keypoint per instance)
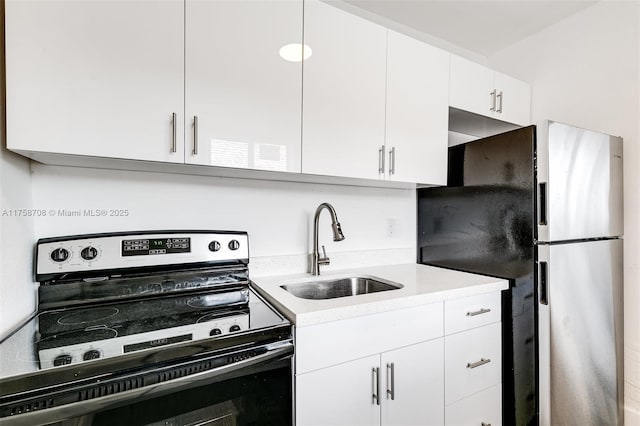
(316, 260)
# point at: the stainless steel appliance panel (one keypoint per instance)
(580, 326)
(579, 190)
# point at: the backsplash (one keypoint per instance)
(277, 215)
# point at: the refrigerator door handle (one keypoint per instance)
(543, 278)
(542, 203)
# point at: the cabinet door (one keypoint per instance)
(99, 78)
(246, 97)
(417, 111)
(514, 100)
(471, 86)
(339, 395)
(343, 93)
(414, 385)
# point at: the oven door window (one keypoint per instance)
(254, 398)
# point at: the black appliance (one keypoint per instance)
(542, 207)
(482, 222)
(147, 328)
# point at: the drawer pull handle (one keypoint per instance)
(376, 386)
(485, 424)
(391, 381)
(480, 312)
(482, 361)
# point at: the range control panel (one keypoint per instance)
(93, 252)
(147, 246)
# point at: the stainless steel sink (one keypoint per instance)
(341, 287)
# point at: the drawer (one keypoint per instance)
(472, 362)
(482, 408)
(471, 312)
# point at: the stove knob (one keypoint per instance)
(62, 360)
(92, 354)
(89, 253)
(214, 246)
(215, 332)
(234, 327)
(234, 245)
(59, 255)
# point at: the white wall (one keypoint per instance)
(17, 291)
(585, 71)
(277, 215)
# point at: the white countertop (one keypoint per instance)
(421, 285)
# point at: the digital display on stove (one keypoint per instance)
(150, 246)
(157, 342)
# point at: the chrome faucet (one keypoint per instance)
(316, 260)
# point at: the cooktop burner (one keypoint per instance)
(87, 316)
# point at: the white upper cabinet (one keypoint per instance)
(471, 87)
(514, 101)
(243, 100)
(97, 78)
(480, 90)
(416, 111)
(343, 93)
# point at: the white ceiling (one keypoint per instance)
(483, 27)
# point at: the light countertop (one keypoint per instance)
(421, 285)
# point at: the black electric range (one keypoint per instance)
(133, 320)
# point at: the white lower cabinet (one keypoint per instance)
(402, 368)
(413, 385)
(472, 361)
(481, 409)
(338, 395)
(399, 387)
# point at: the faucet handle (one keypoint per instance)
(324, 260)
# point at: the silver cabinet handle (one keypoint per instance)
(392, 161)
(480, 312)
(391, 381)
(482, 361)
(381, 160)
(174, 132)
(195, 135)
(376, 385)
(499, 96)
(493, 100)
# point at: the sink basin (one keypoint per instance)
(341, 287)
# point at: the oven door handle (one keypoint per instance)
(77, 409)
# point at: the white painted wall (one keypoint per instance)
(585, 71)
(17, 290)
(277, 215)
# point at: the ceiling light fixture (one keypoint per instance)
(294, 52)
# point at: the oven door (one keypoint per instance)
(252, 386)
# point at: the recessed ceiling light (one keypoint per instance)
(293, 52)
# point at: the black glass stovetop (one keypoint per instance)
(65, 327)
(163, 318)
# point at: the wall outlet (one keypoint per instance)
(391, 227)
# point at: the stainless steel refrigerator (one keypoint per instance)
(541, 206)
